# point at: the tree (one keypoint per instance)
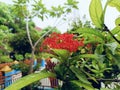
(5, 15)
(21, 9)
(5, 36)
(20, 42)
(9, 19)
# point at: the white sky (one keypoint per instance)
(111, 14)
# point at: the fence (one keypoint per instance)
(1, 81)
(7, 78)
(49, 84)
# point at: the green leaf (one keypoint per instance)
(117, 59)
(93, 41)
(96, 13)
(106, 89)
(91, 77)
(93, 70)
(70, 86)
(81, 84)
(62, 53)
(60, 71)
(112, 47)
(72, 3)
(75, 58)
(104, 10)
(28, 80)
(117, 21)
(80, 75)
(115, 31)
(91, 31)
(99, 49)
(48, 55)
(115, 3)
(88, 56)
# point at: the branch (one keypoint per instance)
(27, 27)
(42, 37)
(28, 33)
(102, 80)
(47, 32)
(106, 29)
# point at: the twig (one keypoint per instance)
(102, 80)
(106, 29)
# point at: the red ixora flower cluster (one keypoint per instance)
(61, 41)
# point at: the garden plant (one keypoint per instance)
(87, 56)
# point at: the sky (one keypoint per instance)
(110, 16)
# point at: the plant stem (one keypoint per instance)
(106, 29)
(112, 80)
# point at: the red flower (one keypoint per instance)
(62, 41)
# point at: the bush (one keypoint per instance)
(5, 59)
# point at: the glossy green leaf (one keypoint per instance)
(99, 49)
(117, 21)
(92, 56)
(115, 3)
(90, 31)
(90, 76)
(48, 55)
(80, 75)
(93, 41)
(88, 56)
(81, 84)
(117, 59)
(114, 31)
(28, 80)
(61, 70)
(104, 89)
(62, 53)
(96, 13)
(104, 11)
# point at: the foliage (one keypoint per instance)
(9, 25)
(106, 46)
(77, 23)
(96, 13)
(6, 17)
(98, 58)
(37, 8)
(5, 59)
(4, 41)
(24, 68)
(10, 20)
(115, 3)
(20, 42)
(67, 70)
(28, 55)
(30, 79)
(19, 57)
